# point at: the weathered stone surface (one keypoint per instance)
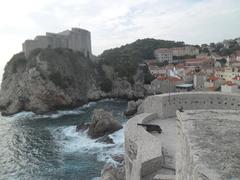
(103, 123)
(52, 79)
(48, 80)
(134, 107)
(209, 146)
(118, 158)
(131, 108)
(111, 172)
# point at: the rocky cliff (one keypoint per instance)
(52, 79)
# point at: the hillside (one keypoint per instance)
(125, 59)
(52, 79)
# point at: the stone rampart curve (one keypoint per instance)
(165, 105)
(138, 143)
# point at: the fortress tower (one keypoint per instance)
(76, 39)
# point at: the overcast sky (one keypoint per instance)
(113, 23)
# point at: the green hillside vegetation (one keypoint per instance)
(125, 59)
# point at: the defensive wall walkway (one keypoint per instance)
(144, 151)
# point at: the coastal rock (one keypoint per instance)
(53, 79)
(119, 158)
(106, 140)
(110, 172)
(133, 107)
(48, 80)
(103, 123)
(82, 127)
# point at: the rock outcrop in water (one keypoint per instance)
(113, 173)
(105, 139)
(134, 107)
(103, 123)
(82, 127)
(52, 79)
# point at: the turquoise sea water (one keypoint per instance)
(48, 147)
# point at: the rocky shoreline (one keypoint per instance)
(55, 79)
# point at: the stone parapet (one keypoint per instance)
(143, 153)
(165, 105)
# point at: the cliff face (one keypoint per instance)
(52, 79)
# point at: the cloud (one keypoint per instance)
(113, 23)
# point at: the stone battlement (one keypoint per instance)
(76, 39)
(165, 105)
(140, 143)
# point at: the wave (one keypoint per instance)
(88, 105)
(96, 178)
(20, 115)
(73, 141)
(57, 114)
(32, 115)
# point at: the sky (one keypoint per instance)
(113, 23)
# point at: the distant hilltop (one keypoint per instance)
(76, 39)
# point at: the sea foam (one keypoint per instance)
(73, 141)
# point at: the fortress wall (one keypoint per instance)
(30, 45)
(187, 167)
(77, 39)
(165, 106)
(208, 145)
(143, 153)
(80, 40)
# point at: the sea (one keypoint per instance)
(46, 147)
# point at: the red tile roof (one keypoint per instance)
(180, 65)
(213, 78)
(174, 79)
(230, 83)
(161, 78)
(196, 60)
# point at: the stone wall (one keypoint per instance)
(143, 154)
(165, 105)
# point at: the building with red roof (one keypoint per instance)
(230, 87)
(213, 83)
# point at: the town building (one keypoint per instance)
(227, 73)
(238, 55)
(198, 81)
(163, 55)
(230, 87)
(185, 51)
(236, 80)
(76, 39)
(213, 83)
(200, 62)
(163, 84)
(167, 54)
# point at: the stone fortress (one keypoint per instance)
(76, 39)
(200, 142)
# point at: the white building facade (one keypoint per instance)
(164, 54)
